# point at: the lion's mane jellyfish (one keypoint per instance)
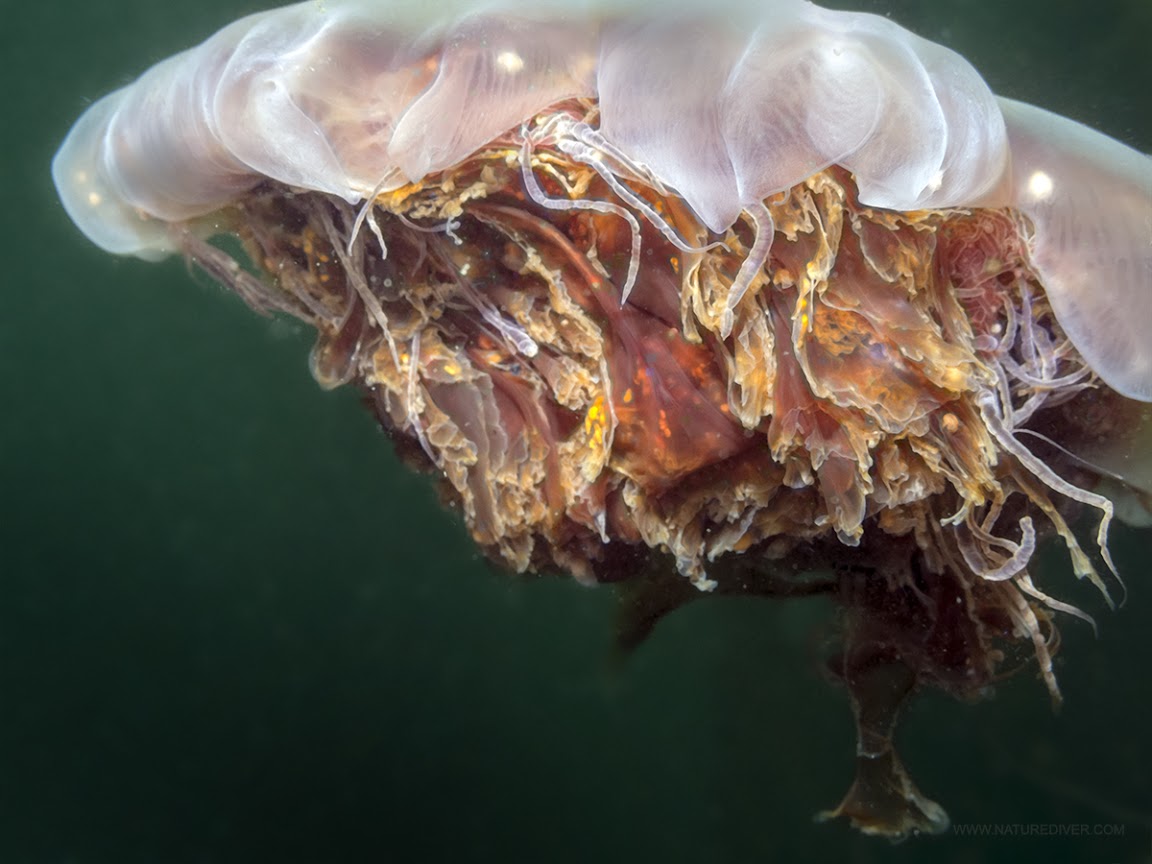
(726, 297)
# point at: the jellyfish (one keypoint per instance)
(705, 299)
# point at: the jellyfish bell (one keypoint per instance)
(703, 298)
(1089, 199)
(268, 98)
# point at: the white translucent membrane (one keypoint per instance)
(729, 110)
(1090, 200)
(727, 102)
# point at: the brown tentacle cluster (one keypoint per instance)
(855, 408)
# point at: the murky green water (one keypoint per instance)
(234, 629)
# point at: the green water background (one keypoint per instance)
(234, 629)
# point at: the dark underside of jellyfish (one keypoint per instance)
(855, 428)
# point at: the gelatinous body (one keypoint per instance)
(799, 294)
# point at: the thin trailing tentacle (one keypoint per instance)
(753, 265)
(990, 411)
(352, 260)
(587, 146)
(1019, 554)
(447, 228)
(368, 211)
(515, 336)
(532, 187)
(256, 294)
(1028, 624)
(1024, 583)
(412, 399)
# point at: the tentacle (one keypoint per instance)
(991, 413)
(515, 336)
(532, 187)
(368, 211)
(1024, 583)
(1018, 553)
(589, 147)
(753, 265)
